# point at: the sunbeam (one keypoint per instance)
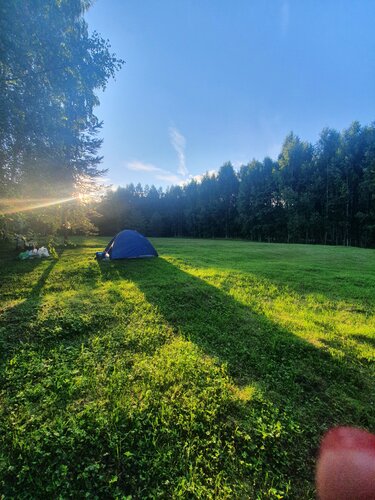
(15, 205)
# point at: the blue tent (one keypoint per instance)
(128, 244)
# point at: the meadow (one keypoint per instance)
(209, 372)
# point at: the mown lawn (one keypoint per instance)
(210, 372)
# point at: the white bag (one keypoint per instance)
(43, 252)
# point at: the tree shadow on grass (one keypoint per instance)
(364, 339)
(21, 323)
(15, 321)
(349, 350)
(317, 389)
(15, 277)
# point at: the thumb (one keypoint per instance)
(346, 465)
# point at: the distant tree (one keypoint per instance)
(326, 185)
(191, 209)
(227, 191)
(295, 173)
(208, 194)
(174, 211)
(247, 199)
(366, 213)
(352, 159)
(156, 225)
(259, 204)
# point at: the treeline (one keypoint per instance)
(322, 193)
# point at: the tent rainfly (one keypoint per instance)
(128, 244)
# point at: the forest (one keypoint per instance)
(321, 193)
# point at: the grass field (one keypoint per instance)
(210, 372)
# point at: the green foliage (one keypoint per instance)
(51, 68)
(210, 372)
(51, 247)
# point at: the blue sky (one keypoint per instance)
(210, 81)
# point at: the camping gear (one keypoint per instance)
(128, 244)
(43, 252)
(102, 255)
(32, 254)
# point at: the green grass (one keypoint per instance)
(210, 372)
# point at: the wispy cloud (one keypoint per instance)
(159, 173)
(285, 17)
(178, 142)
(139, 166)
